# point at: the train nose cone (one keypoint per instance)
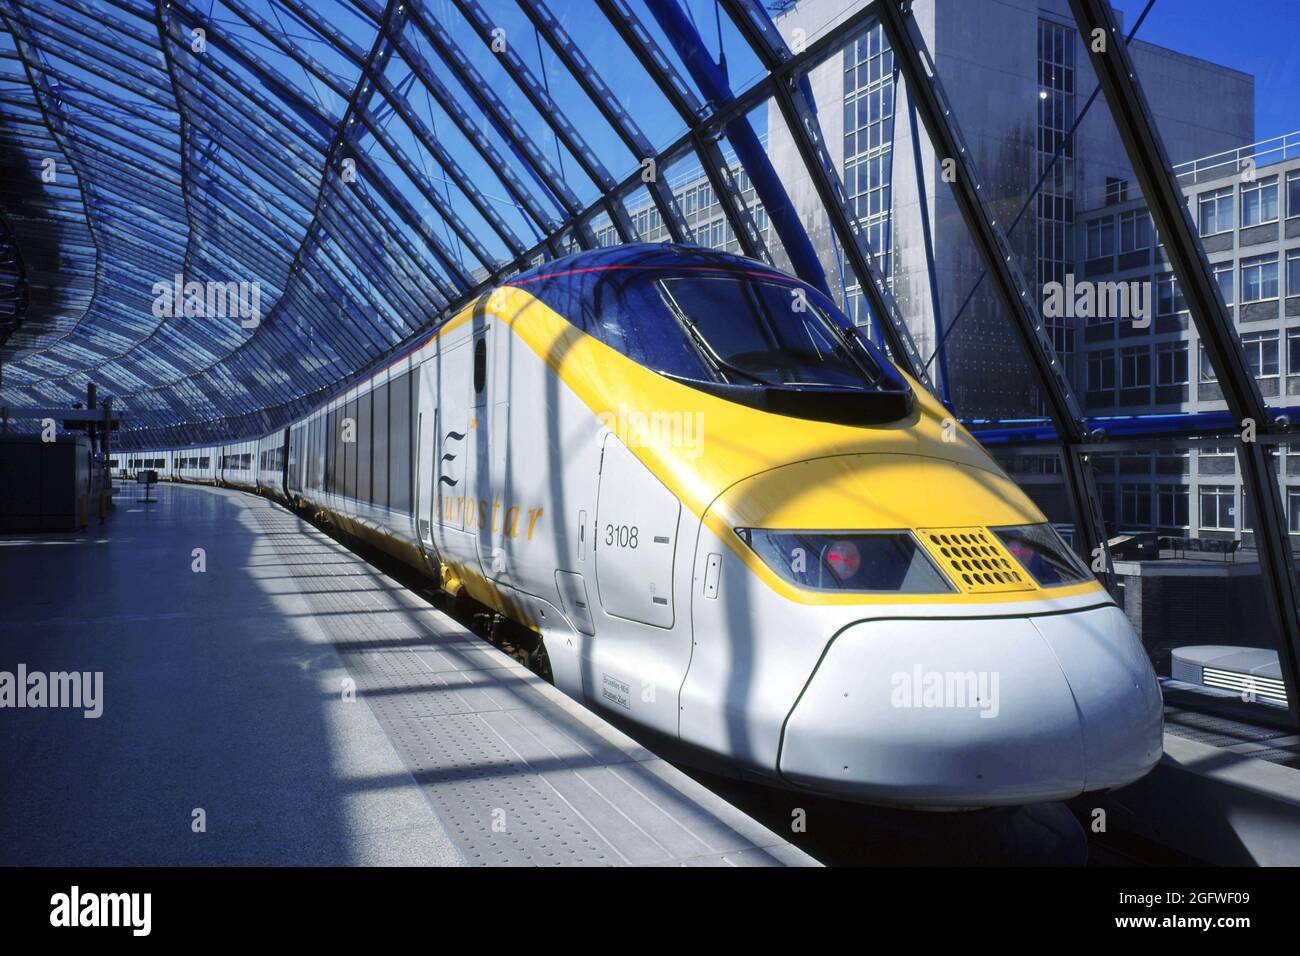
(976, 712)
(1115, 690)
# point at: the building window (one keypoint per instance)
(1135, 367)
(1293, 193)
(1259, 278)
(1261, 353)
(1135, 506)
(1293, 272)
(1293, 510)
(1169, 297)
(1225, 274)
(1117, 192)
(1101, 238)
(1259, 202)
(1171, 363)
(1218, 508)
(1101, 371)
(1215, 211)
(1207, 367)
(1055, 164)
(1134, 230)
(869, 138)
(1173, 503)
(1293, 351)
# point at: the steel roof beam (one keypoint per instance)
(537, 95)
(799, 112)
(569, 53)
(542, 221)
(491, 106)
(926, 92)
(1137, 127)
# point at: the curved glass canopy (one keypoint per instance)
(226, 209)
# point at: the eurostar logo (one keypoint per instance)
(450, 447)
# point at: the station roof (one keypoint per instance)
(225, 209)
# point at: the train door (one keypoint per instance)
(448, 414)
(480, 509)
(424, 507)
(501, 516)
(642, 645)
(284, 463)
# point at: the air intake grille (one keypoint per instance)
(1269, 688)
(975, 560)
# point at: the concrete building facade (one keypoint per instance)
(1246, 205)
(1016, 75)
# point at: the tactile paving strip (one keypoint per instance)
(517, 773)
(1216, 731)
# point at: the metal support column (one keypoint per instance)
(795, 101)
(1137, 128)
(926, 92)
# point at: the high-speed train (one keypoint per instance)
(730, 519)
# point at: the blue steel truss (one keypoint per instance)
(367, 168)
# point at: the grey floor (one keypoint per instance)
(227, 692)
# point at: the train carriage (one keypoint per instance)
(732, 520)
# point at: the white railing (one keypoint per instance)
(1264, 153)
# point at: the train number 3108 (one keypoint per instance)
(621, 535)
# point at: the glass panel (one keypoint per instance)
(1043, 554)
(1223, 110)
(848, 561)
(1186, 565)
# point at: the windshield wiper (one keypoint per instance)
(851, 345)
(707, 350)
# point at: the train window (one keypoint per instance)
(861, 561)
(480, 365)
(726, 326)
(365, 444)
(351, 434)
(379, 491)
(332, 448)
(769, 333)
(399, 443)
(1044, 554)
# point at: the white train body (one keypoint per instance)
(598, 502)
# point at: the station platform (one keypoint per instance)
(291, 704)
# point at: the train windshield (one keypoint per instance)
(748, 336)
(765, 332)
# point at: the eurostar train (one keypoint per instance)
(729, 518)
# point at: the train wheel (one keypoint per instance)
(539, 662)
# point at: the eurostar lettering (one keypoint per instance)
(479, 513)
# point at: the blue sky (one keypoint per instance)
(1255, 36)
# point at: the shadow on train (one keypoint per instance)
(837, 832)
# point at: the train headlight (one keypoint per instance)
(889, 562)
(1044, 554)
(844, 559)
